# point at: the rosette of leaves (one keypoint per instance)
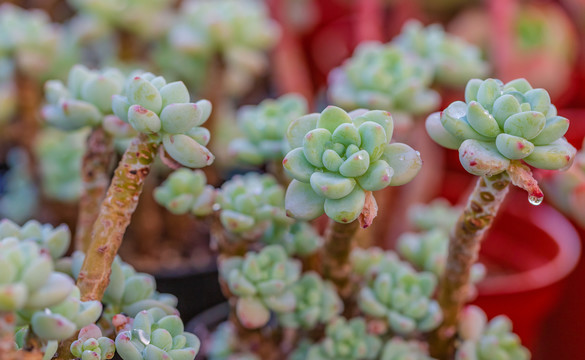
(317, 303)
(60, 321)
(362, 259)
(262, 283)
(346, 340)
(401, 296)
(439, 213)
(264, 128)
(27, 279)
(499, 123)
(128, 291)
(400, 349)
(223, 345)
(383, 76)
(186, 191)
(299, 239)
(163, 112)
(250, 203)
(154, 335)
(483, 340)
(60, 156)
(19, 194)
(337, 157)
(54, 239)
(85, 100)
(428, 251)
(91, 345)
(454, 61)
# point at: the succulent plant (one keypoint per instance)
(60, 156)
(383, 76)
(154, 335)
(454, 61)
(264, 127)
(223, 345)
(481, 339)
(19, 197)
(55, 240)
(499, 123)
(400, 349)
(439, 213)
(398, 294)
(186, 191)
(250, 204)
(346, 340)
(91, 345)
(60, 321)
(317, 302)
(262, 282)
(337, 157)
(27, 279)
(299, 239)
(163, 111)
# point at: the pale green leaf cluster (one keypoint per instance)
(223, 345)
(454, 61)
(154, 335)
(400, 349)
(186, 191)
(499, 123)
(439, 213)
(336, 157)
(262, 281)
(264, 128)
(317, 303)
(164, 110)
(346, 340)
(483, 340)
(299, 239)
(383, 76)
(55, 240)
(91, 345)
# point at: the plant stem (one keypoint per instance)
(29, 98)
(464, 244)
(7, 322)
(95, 176)
(114, 217)
(338, 245)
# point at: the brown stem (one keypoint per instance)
(64, 349)
(95, 176)
(7, 323)
(338, 245)
(114, 217)
(464, 244)
(29, 98)
(221, 242)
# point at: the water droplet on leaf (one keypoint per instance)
(142, 336)
(535, 200)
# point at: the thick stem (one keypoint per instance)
(114, 217)
(338, 245)
(7, 324)
(95, 176)
(29, 98)
(464, 245)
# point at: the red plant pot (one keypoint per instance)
(529, 252)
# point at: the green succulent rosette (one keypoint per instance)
(61, 321)
(19, 194)
(250, 204)
(264, 128)
(299, 239)
(60, 157)
(262, 281)
(483, 340)
(129, 291)
(85, 100)
(499, 123)
(454, 61)
(91, 345)
(337, 157)
(223, 345)
(400, 349)
(399, 295)
(154, 335)
(27, 277)
(317, 303)
(383, 76)
(186, 191)
(439, 213)
(164, 112)
(55, 240)
(346, 340)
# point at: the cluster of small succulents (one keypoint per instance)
(337, 157)
(55, 240)
(262, 281)
(91, 345)
(19, 197)
(439, 213)
(154, 335)
(264, 128)
(454, 61)
(163, 111)
(299, 239)
(400, 349)
(383, 76)
(499, 123)
(186, 191)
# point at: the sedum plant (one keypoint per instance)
(299, 239)
(91, 345)
(400, 349)
(55, 240)
(186, 191)
(439, 213)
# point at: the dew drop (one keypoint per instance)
(142, 336)
(535, 200)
